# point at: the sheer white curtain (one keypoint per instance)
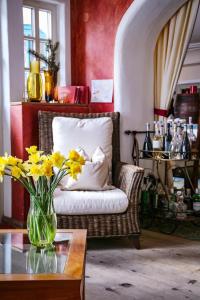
(169, 54)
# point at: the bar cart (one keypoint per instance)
(160, 209)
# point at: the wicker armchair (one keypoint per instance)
(126, 177)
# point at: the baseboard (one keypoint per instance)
(13, 223)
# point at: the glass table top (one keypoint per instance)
(17, 256)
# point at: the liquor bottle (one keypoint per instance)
(167, 140)
(157, 143)
(162, 134)
(181, 207)
(147, 146)
(188, 199)
(175, 146)
(192, 136)
(196, 201)
(185, 146)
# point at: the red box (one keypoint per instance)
(72, 94)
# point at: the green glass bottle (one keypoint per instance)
(196, 201)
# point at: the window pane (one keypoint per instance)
(45, 24)
(27, 21)
(44, 52)
(28, 44)
(26, 73)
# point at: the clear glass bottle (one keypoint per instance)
(175, 144)
(167, 140)
(181, 207)
(188, 199)
(185, 146)
(147, 146)
(162, 134)
(34, 82)
(157, 142)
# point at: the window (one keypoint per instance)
(39, 25)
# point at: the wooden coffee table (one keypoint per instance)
(28, 273)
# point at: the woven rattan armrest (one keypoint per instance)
(128, 179)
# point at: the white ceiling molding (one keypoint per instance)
(133, 64)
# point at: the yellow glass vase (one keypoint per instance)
(50, 78)
(34, 82)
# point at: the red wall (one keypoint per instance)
(93, 29)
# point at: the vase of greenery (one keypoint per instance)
(51, 73)
(40, 175)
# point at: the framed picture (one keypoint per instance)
(102, 91)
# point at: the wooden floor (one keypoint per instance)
(166, 267)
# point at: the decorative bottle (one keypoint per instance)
(167, 141)
(157, 143)
(196, 201)
(185, 146)
(34, 82)
(147, 146)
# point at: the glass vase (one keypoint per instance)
(41, 221)
(34, 82)
(50, 84)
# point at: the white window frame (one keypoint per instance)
(39, 5)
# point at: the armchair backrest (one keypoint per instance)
(45, 129)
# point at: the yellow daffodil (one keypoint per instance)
(31, 150)
(13, 161)
(57, 159)
(25, 166)
(35, 171)
(16, 172)
(34, 158)
(47, 169)
(3, 161)
(81, 160)
(73, 155)
(1, 173)
(75, 169)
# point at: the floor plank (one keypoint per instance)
(167, 267)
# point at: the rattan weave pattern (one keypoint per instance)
(126, 177)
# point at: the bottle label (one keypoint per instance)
(156, 144)
(196, 206)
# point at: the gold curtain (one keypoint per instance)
(170, 52)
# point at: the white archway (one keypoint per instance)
(133, 63)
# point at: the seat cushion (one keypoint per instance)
(90, 202)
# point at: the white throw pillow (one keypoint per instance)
(71, 133)
(94, 175)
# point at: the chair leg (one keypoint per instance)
(136, 241)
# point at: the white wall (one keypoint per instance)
(1, 121)
(11, 69)
(12, 75)
(133, 64)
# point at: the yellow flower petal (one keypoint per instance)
(57, 159)
(73, 155)
(47, 169)
(35, 171)
(1, 173)
(16, 172)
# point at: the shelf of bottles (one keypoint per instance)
(172, 140)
